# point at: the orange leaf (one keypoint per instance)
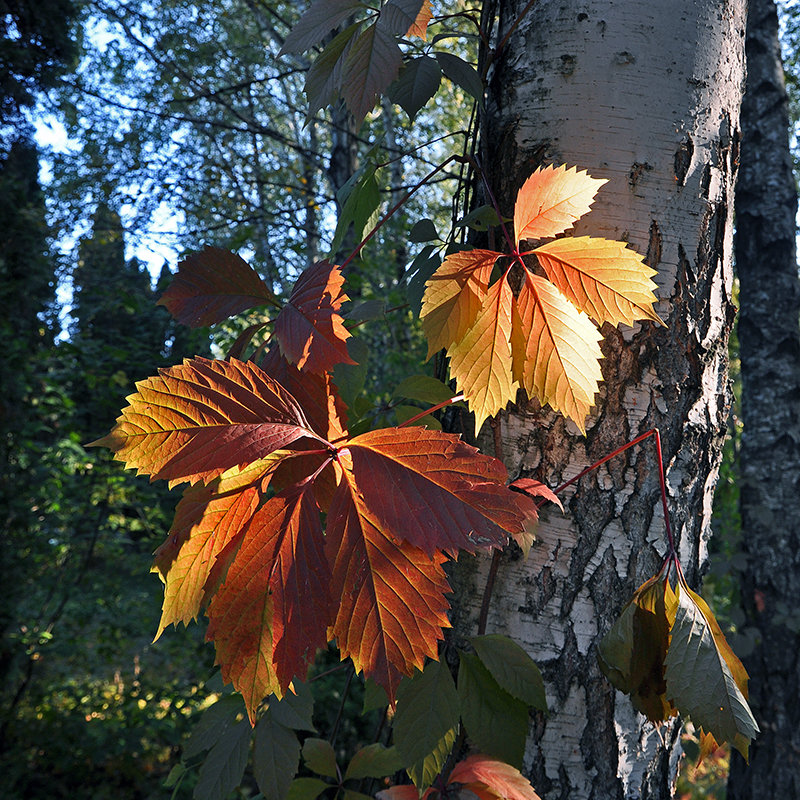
(212, 286)
(551, 200)
(420, 26)
(481, 360)
(271, 614)
(200, 418)
(556, 351)
(454, 295)
(309, 329)
(392, 594)
(605, 279)
(502, 780)
(206, 519)
(434, 491)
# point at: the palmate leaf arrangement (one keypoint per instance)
(264, 448)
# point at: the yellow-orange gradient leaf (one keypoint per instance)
(206, 519)
(420, 26)
(551, 200)
(480, 361)
(604, 278)
(454, 295)
(196, 420)
(556, 350)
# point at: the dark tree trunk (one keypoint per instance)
(766, 206)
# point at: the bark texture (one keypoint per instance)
(646, 95)
(769, 335)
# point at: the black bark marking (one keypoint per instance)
(683, 159)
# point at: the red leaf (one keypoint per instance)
(536, 489)
(309, 329)
(435, 491)
(503, 781)
(212, 286)
(200, 418)
(392, 595)
(272, 612)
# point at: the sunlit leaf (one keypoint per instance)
(603, 278)
(454, 295)
(309, 329)
(212, 286)
(502, 779)
(420, 24)
(200, 418)
(481, 361)
(551, 200)
(556, 350)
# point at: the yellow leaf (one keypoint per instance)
(556, 350)
(604, 278)
(454, 295)
(480, 361)
(551, 200)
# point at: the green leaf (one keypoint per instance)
(276, 756)
(705, 680)
(496, 722)
(214, 723)
(224, 766)
(306, 789)
(512, 668)
(175, 776)
(317, 22)
(423, 388)
(295, 709)
(423, 231)
(374, 761)
(323, 80)
(320, 757)
(426, 262)
(426, 720)
(369, 309)
(417, 84)
(480, 219)
(374, 696)
(405, 413)
(350, 378)
(397, 16)
(462, 74)
(359, 199)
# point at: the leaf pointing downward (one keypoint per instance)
(704, 678)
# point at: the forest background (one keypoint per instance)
(182, 133)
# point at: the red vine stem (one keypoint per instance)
(457, 399)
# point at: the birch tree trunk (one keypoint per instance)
(769, 336)
(646, 95)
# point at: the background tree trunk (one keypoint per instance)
(646, 95)
(769, 335)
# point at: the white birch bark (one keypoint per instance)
(645, 94)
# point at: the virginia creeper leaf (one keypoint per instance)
(556, 350)
(502, 779)
(454, 295)
(423, 388)
(603, 278)
(481, 361)
(426, 720)
(207, 518)
(536, 488)
(324, 77)
(420, 24)
(212, 286)
(632, 653)
(512, 668)
(418, 83)
(202, 417)
(309, 329)
(392, 595)
(307, 788)
(276, 756)
(359, 200)
(704, 678)
(496, 722)
(434, 491)
(399, 16)
(295, 709)
(215, 721)
(370, 65)
(374, 761)
(462, 74)
(222, 770)
(317, 22)
(551, 200)
(320, 757)
(271, 614)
